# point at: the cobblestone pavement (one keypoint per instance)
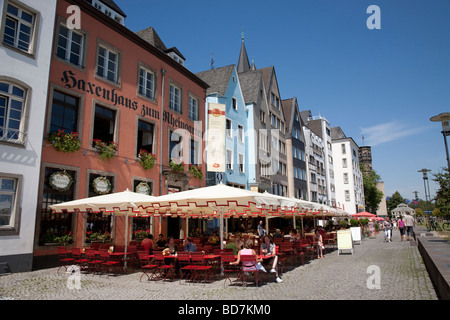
(403, 276)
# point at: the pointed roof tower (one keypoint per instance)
(243, 62)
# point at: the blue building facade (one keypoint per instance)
(225, 89)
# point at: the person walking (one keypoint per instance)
(401, 227)
(261, 230)
(409, 223)
(318, 239)
(387, 230)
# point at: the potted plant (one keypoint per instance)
(105, 150)
(92, 236)
(195, 171)
(343, 224)
(354, 222)
(141, 234)
(147, 159)
(65, 239)
(65, 142)
(176, 167)
(104, 237)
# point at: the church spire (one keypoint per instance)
(243, 62)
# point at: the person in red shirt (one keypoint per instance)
(147, 243)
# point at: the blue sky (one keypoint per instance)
(382, 84)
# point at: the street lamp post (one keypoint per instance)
(444, 118)
(425, 180)
(427, 194)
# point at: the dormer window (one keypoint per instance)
(177, 58)
(110, 12)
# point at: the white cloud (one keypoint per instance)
(389, 131)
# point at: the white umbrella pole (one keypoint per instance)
(221, 227)
(126, 237)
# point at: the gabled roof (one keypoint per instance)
(288, 106)
(304, 115)
(337, 133)
(152, 37)
(217, 79)
(251, 85)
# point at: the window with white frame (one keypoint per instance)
(228, 128)
(193, 108)
(108, 64)
(241, 162)
(347, 195)
(346, 178)
(70, 45)
(12, 112)
(174, 98)
(234, 102)
(8, 189)
(263, 141)
(229, 159)
(344, 163)
(19, 27)
(146, 83)
(241, 133)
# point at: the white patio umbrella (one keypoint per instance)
(216, 201)
(119, 203)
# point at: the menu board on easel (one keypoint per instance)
(344, 240)
(356, 234)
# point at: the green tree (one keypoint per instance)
(443, 194)
(372, 195)
(394, 201)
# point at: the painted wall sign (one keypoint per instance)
(70, 81)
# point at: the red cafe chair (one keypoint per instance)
(228, 269)
(164, 269)
(64, 259)
(146, 266)
(186, 266)
(198, 261)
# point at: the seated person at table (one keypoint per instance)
(277, 234)
(236, 245)
(249, 266)
(214, 239)
(147, 243)
(171, 245)
(269, 248)
(160, 243)
(190, 246)
(294, 235)
(203, 238)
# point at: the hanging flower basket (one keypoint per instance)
(176, 167)
(65, 142)
(106, 151)
(147, 159)
(195, 171)
(101, 185)
(60, 181)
